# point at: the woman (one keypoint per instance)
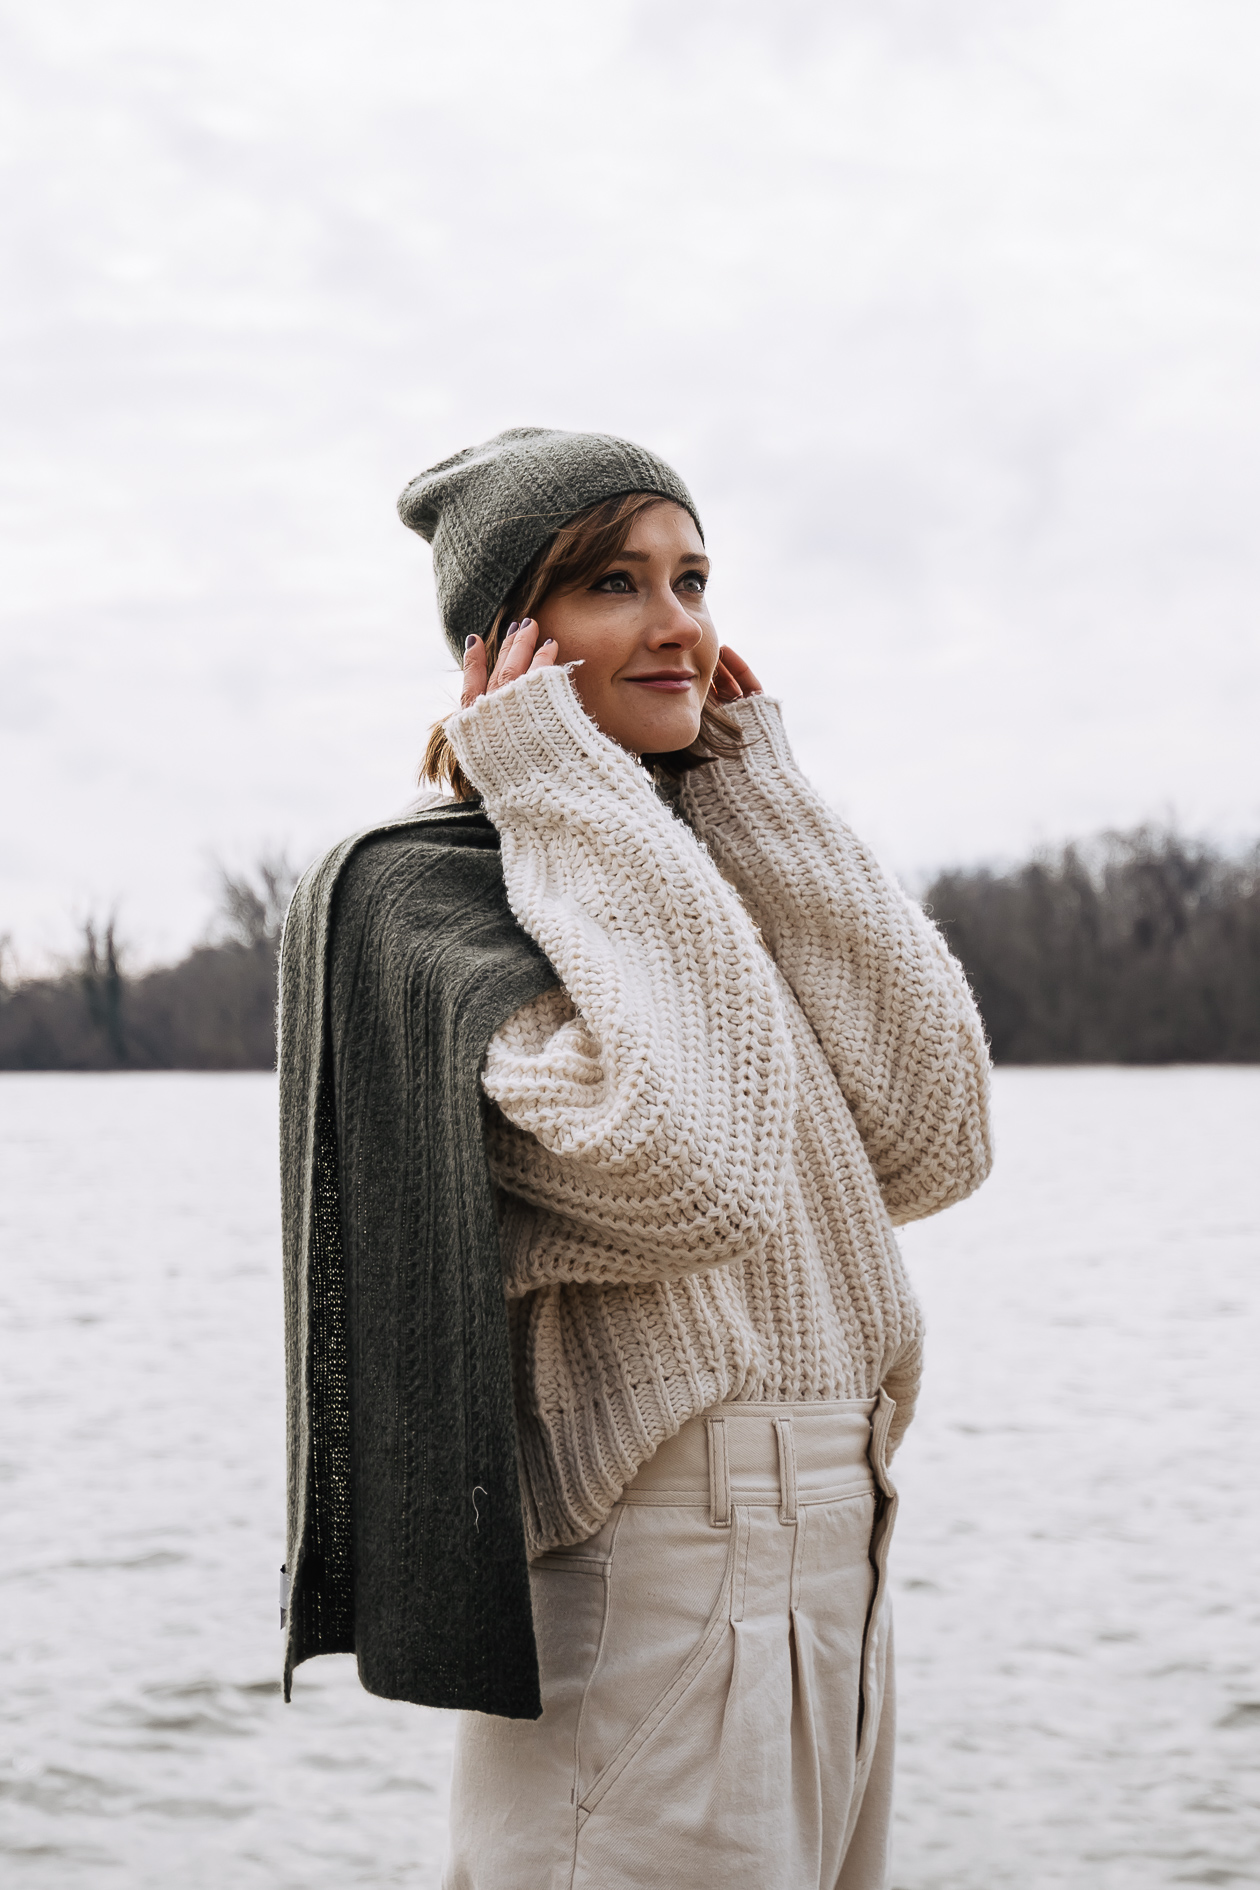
(637, 976)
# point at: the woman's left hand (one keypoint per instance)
(732, 679)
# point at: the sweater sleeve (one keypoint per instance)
(658, 1093)
(887, 1002)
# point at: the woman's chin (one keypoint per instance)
(662, 734)
(654, 726)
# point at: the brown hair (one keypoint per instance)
(580, 552)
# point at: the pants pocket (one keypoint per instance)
(514, 1783)
(569, 1591)
(670, 1602)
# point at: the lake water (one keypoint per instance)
(1075, 1573)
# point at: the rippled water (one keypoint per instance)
(1076, 1574)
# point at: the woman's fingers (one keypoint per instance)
(474, 672)
(518, 647)
(745, 683)
(724, 685)
(505, 647)
(517, 654)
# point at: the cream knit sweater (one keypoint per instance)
(761, 1057)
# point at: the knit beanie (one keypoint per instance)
(488, 510)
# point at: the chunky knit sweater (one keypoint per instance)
(761, 1057)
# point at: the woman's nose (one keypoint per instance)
(671, 622)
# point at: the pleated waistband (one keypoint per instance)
(772, 1455)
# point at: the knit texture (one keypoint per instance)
(400, 960)
(488, 510)
(761, 1057)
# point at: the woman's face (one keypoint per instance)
(643, 635)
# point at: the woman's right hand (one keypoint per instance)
(517, 655)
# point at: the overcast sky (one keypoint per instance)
(947, 312)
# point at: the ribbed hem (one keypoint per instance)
(653, 1359)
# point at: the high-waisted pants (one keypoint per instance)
(716, 1676)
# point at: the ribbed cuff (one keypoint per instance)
(761, 721)
(536, 727)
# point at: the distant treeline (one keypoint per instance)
(1134, 948)
(1138, 947)
(215, 1010)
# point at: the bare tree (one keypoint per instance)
(252, 907)
(102, 983)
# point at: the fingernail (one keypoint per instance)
(550, 644)
(510, 631)
(469, 642)
(526, 622)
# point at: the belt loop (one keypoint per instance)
(787, 1469)
(719, 1474)
(881, 1424)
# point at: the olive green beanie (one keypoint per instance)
(488, 510)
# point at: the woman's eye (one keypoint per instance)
(693, 581)
(617, 582)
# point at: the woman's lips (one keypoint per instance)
(670, 683)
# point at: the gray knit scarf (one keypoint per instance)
(401, 959)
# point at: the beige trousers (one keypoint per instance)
(716, 1676)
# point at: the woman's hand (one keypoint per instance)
(515, 657)
(732, 678)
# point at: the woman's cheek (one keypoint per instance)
(592, 686)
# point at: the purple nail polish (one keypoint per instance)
(510, 632)
(469, 642)
(526, 622)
